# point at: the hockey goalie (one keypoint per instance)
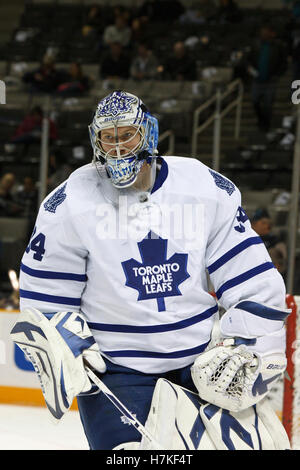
(114, 281)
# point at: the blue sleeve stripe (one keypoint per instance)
(233, 252)
(262, 310)
(154, 328)
(158, 355)
(53, 274)
(244, 277)
(26, 294)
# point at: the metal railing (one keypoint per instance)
(169, 134)
(216, 119)
(44, 159)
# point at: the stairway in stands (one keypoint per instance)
(236, 154)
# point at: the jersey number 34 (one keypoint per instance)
(37, 245)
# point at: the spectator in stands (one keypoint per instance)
(122, 10)
(115, 63)
(180, 65)
(118, 32)
(144, 64)
(59, 169)
(267, 61)
(261, 223)
(44, 79)
(75, 83)
(8, 206)
(228, 12)
(139, 31)
(30, 129)
(94, 22)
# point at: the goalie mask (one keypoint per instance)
(123, 135)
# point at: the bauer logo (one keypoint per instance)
(2, 92)
(21, 361)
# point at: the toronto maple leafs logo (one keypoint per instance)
(156, 277)
(115, 104)
(56, 199)
(222, 182)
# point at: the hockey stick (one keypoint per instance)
(124, 411)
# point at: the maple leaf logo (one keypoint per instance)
(115, 104)
(56, 199)
(156, 277)
(222, 182)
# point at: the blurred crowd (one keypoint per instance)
(126, 50)
(20, 198)
(46, 78)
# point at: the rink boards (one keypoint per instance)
(19, 384)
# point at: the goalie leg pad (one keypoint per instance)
(179, 419)
(256, 428)
(174, 419)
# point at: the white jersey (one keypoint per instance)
(138, 270)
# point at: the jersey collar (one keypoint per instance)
(162, 175)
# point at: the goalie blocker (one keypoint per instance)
(57, 344)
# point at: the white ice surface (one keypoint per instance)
(31, 428)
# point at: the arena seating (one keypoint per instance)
(255, 166)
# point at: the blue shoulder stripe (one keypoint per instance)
(53, 274)
(154, 328)
(244, 277)
(233, 252)
(262, 310)
(157, 355)
(26, 294)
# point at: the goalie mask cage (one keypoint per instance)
(291, 382)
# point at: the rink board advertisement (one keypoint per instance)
(18, 382)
